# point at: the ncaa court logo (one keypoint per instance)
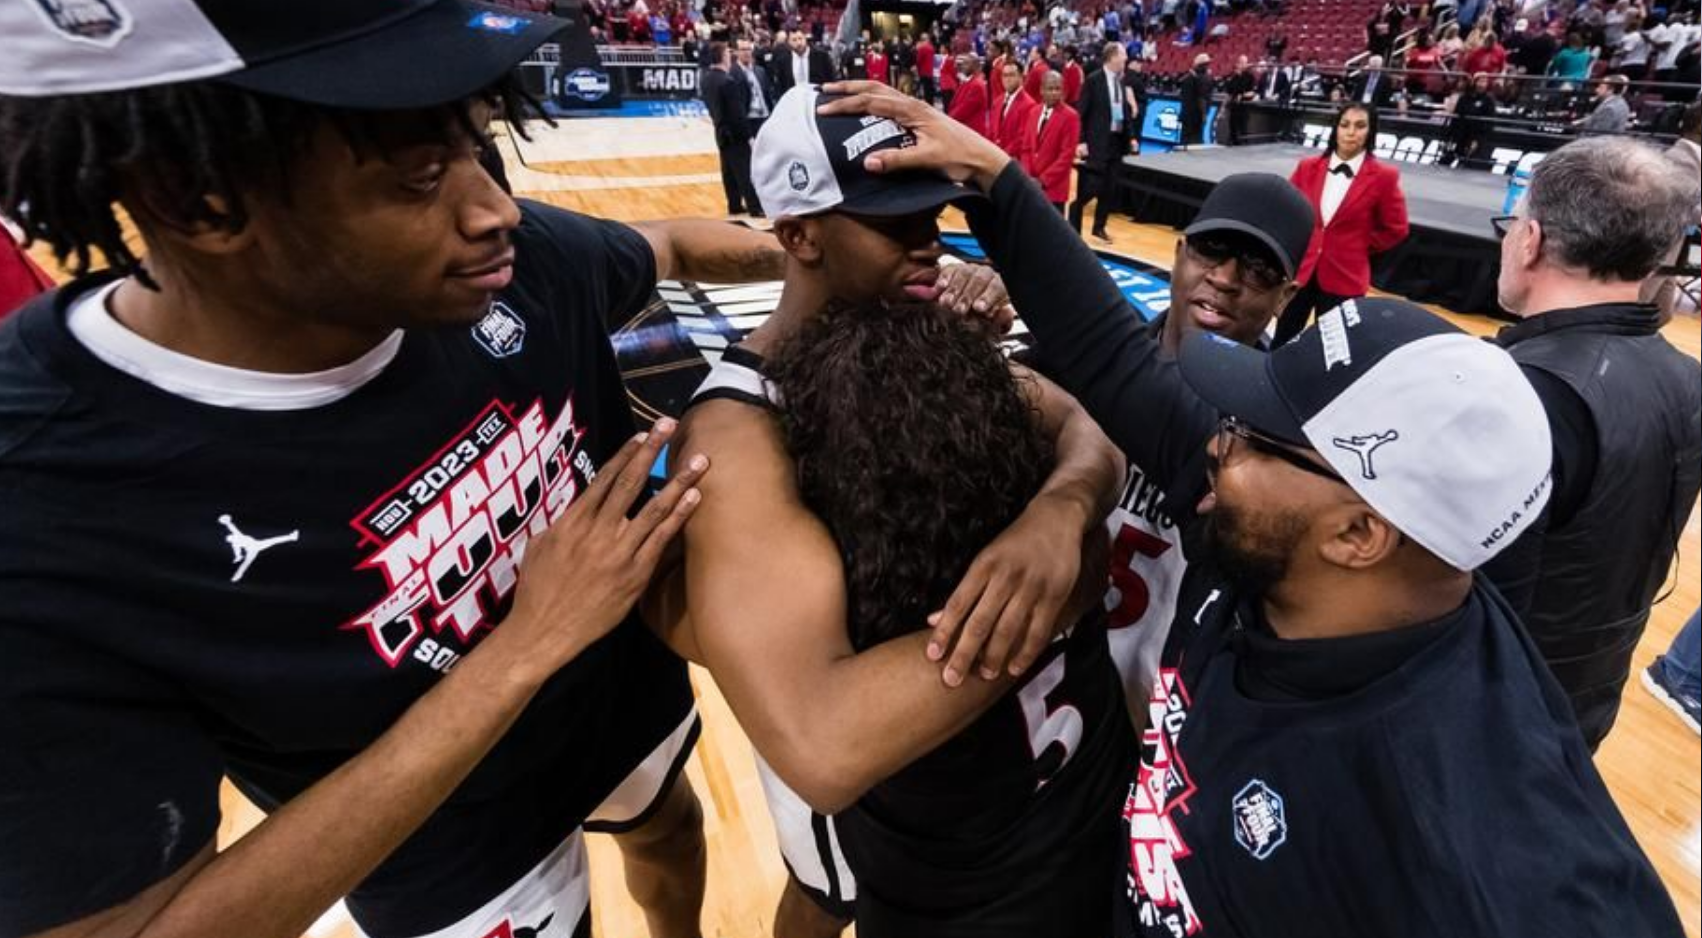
(502, 332)
(1261, 826)
(97, 22)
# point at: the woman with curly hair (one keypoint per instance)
(916, 443)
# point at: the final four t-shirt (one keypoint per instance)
(192, 589)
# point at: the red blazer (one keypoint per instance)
(1051, 153)
(969, 105)
(1014, 131)
(1073, 78)
(20, 278)
(1372, 219)
(1031, 84)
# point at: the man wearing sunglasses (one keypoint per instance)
(1349, 733)
(1232, 274)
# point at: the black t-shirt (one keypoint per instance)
(1452, 795)
(144, 657)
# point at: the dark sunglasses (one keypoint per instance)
(1229, 429)
(1502, 225)
(1253, 267)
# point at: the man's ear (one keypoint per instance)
(211, 233)
(799, 237)
(1356, 537)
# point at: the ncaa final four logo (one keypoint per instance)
(97, 22)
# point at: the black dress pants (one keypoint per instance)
(1095, 182)
(736, 178)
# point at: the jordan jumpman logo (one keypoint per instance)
(1364, 446)
(244, 548)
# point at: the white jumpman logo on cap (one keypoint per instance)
(244, 548)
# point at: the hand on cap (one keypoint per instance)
(942, 145)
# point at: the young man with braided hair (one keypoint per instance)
(326, 492)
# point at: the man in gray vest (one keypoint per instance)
(1623, 404)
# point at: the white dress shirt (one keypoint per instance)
(759, 103)
(1336, 185)
(800, 68)
(1114, 94)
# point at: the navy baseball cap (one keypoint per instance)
(358, 54)
(1265, 206)
(1437, 430)
(805, 163)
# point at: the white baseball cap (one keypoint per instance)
(1436, 430)
(805, 163)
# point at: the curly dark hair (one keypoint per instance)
(65, 161)
(914, 443)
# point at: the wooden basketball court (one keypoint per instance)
(648, 168)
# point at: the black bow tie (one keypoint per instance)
(1343, 169)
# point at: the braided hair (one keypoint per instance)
(186, 152)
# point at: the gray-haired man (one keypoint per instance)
(1623, 404)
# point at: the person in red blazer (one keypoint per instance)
(969, 104)
(1073, 77)
(1037, 69)
(1361, 211)
(1053, 129)
(1012, 116)
(20, 278)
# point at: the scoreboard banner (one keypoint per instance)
(665, 351)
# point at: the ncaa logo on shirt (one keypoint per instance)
(1260, 824)
(502, 332)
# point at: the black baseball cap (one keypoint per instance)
(358, 54)
(805, 163)
(1265, 206)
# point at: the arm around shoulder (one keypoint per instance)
(766, 601)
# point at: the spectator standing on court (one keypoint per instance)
(1037, 69)
(728, 99)
(1105, 131)
(1012, 115)
(1675, 678)
(1240, 89)
(1600, 216)
(876, 64)
(927, 64)
(1074, 76)
(1052, 150)
(1361, 211)
(970, 102)
(1196, 93)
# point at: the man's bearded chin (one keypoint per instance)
(1253, 556)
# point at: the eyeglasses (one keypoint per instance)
(1252, 268)
(1502, 225)
(1229, 429)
